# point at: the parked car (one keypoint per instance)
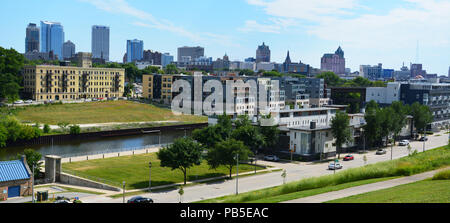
(333, 166)
(29, 101)
(380, 152)
(271, 158)
(139, 199)
(18, 102)
(61, 202)
(403, 143)
(349, 157)
(423, 138)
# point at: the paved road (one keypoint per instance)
(294, 172)
(320, 198)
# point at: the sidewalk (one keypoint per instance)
(320, 198)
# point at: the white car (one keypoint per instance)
(271, 158)
(18, 102)
(332, 166)
(29, 101)
(403, 143)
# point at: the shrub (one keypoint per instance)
(443, 175)
(47, 128)
(75, 130)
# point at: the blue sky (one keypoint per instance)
(370, 32)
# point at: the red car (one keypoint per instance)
(349, 157)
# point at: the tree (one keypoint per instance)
(208, 136)
(271, 135)
(11, 64)
(224, 126)
(246, 72)
(33, 159)
(422, 116)
(398, 118)
(63, 126)
(171, 69)
(372, 127)
(249, 135)
(224, 153)
(340, 128)
(46, 128)
(183, 154)
(3, 136)
(385, 118)
(330, 78)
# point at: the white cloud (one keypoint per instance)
(423, 20)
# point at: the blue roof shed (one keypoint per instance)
(13, 170)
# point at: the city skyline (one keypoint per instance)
(238, 34)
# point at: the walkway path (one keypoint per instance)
(320, 198)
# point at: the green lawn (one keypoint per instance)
(300, 194)
(100, 112)
(134, 171)
(427, 191)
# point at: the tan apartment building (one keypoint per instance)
(157, 87)
(65, 83)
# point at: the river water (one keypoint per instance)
(105, 145)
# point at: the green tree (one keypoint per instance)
(422, 116)
(330, 78)
(386, 122)
(249, 135)
(33, 159)
(11, 64)
(171, 69)
(340, 128)
(224, 153)
(183, 154)
(398, 118)
(208, 136)
(46, 128)
(372, 127)
(246, 72)
(224, 126)
(3, 136)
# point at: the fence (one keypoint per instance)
(92, 178)
(107, 151)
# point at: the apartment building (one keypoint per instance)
(65, 83)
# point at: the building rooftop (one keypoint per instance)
(13, 170)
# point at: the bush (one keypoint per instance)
(443, 175)
(47, 128)
(75, 130)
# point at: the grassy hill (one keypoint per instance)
(101, 112)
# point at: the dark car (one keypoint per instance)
(140, 199)
(422, 139)
(349, 157)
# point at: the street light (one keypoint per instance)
(237, 172)
(364, 140)
(123, 183)
(32, 186)
(150, 179)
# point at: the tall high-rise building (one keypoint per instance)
(32, 38)
(135, 50)
(68, 50)
(166, 59)
(333, 62)
(52, 37)
(263, 53)
(188, 54)
(100, 42)
(152, 57)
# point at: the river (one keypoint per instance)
(104, 145)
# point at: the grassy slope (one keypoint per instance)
(135, 171)
(427, 191)
(100, 112)
(422, 162)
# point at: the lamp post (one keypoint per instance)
(150, 178)
(424, 138)
(32, 186)
(123, 183)
(237, 173)
(364, 140)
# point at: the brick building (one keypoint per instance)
(15, 179)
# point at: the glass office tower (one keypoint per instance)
(52, 38)
(100, 42)
(135, 50)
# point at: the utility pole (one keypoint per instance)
(150, 178)
(123, 183)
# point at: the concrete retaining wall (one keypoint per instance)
(78, 181)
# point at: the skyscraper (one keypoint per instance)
(166, 59)
(100, 42)
(32, 38)
(68, 50)
(263, 53)
(52, 37)
(188, 54)
(135, 50)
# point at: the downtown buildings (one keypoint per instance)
(32, 38)
(263, 54)
(52, 38)
(100, 42)
(333, 62)
(135, 50)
